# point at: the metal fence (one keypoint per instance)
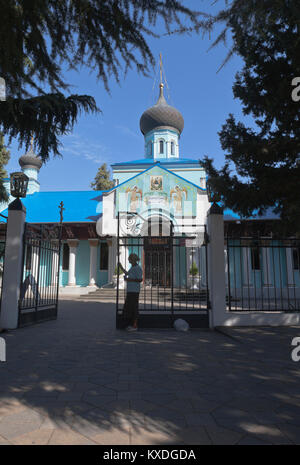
(263, 274)
(40, 274)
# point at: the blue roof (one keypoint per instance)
(151, 161)
(80, 206)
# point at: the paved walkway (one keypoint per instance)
(77, 380)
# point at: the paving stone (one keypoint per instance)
(143, 436)
(223, 436)
(39, 437)
(159, 399)
(38, 393)
(182, 405)
(129, 395)
(147, 383)
(4, 442)
(292, 432)
(253, 441)
(199, 419)
(118, 386)
(99, 401)
(204, 405)
(69, 437)
(20, 423)
(92, 422)
(140, 405)
(171, 417)
(111, 437)
(194, 436)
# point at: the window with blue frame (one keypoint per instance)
(172, 148)
(161, 146)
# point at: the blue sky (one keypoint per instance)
(203, 96)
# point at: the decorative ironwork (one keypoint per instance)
(40, 273)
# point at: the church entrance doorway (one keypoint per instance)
(157, 261)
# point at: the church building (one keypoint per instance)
(159, 197)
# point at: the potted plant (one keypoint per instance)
(118, 271)
(194, 276)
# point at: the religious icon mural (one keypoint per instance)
(157, 189)
(156, 183)
(177, 196)
(135, 195)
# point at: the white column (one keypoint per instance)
(73, 243)
(188, 265)
(55, 264)
(93, 261)
(123, 256)
(13, 263)
(122, 252)
(216, 266)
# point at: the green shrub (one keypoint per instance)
(194, 270)
(118, 270)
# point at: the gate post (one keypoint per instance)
(216, 266)
(13, 265)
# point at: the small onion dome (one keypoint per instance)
(30, 160)
(161, 115)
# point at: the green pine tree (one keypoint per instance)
(194, 269)
(4, 158)
(262, 168)
(40, 39)
(102, 180)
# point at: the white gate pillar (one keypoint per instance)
(73, 243)
(216, 266)
(93, 261)
(13, 263)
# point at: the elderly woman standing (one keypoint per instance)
(133, 277)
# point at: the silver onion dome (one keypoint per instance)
(30, 160)
(161, 115)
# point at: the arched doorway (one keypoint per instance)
(157, 258)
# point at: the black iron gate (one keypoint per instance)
(175, 283)
(40, 274)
